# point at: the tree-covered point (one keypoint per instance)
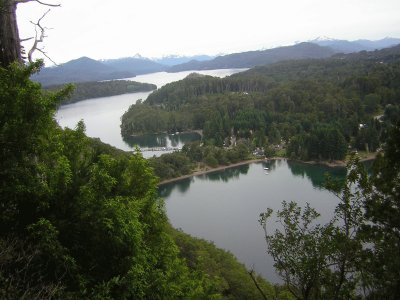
(195, 156)
(337, 99)
(96, 89)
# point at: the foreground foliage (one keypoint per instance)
(230, 278)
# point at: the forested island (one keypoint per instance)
(316, 109)
(96, 89)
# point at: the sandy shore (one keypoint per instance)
(209, 170)
(341, 163)
(332, 164)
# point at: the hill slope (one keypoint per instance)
(83, 69)
(136, 65)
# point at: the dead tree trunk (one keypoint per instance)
(10, 44)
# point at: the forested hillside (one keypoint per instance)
(83, 69)
(87, 90)
(317, 107)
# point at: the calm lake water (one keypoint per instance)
(102, 116)
(224, 207)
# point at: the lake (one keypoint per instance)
(224, 207)
(102, 116)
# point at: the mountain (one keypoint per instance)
(344, 46)
(385, 55)
(83, 69)
(379, 44)
(137, 65)
(256, 58)
(173, 60)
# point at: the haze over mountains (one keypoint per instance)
(85, 69)
(355, 46)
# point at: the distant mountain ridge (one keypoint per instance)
(251, 59)
(345, 46)
(85, 69)
(172, 60)
(136, 65)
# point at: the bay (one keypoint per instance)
(102, 116)
(224, 207)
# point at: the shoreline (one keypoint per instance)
(331, 164)
(339, 163)
(219, 168)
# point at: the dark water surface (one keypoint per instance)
(148, 141)
(224, 207)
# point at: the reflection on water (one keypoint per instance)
(162, 140)
(316, 173)
(221, 175)
(226, 174)
(182, 186)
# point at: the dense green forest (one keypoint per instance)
(96, 89)
(318, 108)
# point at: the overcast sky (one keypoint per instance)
(154, 28)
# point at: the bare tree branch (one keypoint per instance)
(38, 1)
(39, 37)
(48, 57)
(251, 273)
(27, 39)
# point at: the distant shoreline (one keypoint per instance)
(210, 170)
(340, 163)
(331, 164)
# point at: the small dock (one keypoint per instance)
(165, 149)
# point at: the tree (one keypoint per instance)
(10, 42)
(321, 261)
(383, 213)
(300, 250)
